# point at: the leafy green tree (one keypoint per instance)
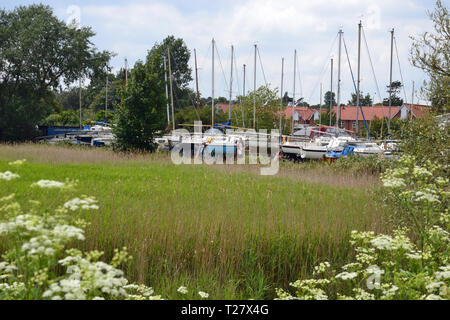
(64, 118)
(267, 109)
(38, 52)
(188, 115)
(431, 53)
(396, 86)
(329, 96)
(364, 100)
(144, 107)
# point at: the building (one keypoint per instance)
(302, 115)
(347, 118)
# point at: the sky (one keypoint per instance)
(278, 27)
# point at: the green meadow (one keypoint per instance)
(224, 230)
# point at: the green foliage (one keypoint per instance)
(189, 115)
(267, 110)
(430, 52)
(363, 165)
(395, 267)
(328, 99)
(37, 53)
(144, 107)
(378, 128)
(363, 100)
(37, 263)
(427, 139)
(396, 86)
(65, 118)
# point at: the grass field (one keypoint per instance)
(223, 230)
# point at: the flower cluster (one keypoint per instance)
(393, 266)
(8, 175)
(35, 242)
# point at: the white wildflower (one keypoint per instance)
(182, 290)
(347, 275)
(49, 184)
(86, 203)
(204, 295)
(444, 274)
(17, 162)
(8, 175)
(433, 297)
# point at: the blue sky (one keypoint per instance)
(130, 28)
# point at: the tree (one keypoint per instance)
(363, 100)
(329, 96)
(179, 58)
(396, 86)
(38, 52)
(267, 110)
(144, 107)
(431, 53)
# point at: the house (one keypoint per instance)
(302, 115)
(347, 118)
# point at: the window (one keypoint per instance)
(342, 124)
(354, 124)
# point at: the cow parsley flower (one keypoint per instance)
(347, 275)
(182, 290)
(204, 295)
(49, 184)
(17, 162)
(8, 176)
(86, 203)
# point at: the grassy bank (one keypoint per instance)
(223, 230)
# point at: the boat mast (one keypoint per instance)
(359, 78)
(167, 92)
(412, 102)
(293, 93)
(390, 81)
(212, 86)
(243, 101)
(231, 85)
(80, 101)
(331, 91)
(338, 112)
(281, 91)
(106, 96)
(126, 73)
(254, 92)
(320, 106)
(171, 89)
(196, 83)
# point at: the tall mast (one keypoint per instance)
(254, 92)
(196, 83)
(331, 91)
(167, 91)
(293, 94)
(243, 101)
(106, 95)
(212, 86)
(80, 101)
(231, 84)
(320, 105)
(390, 81)
(338, 112)
(126, 73)
(359, 77)
(171, 89)
(281, 91)
(412, 102)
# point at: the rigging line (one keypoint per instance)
(262, 68)
(223, 71)
(177, 86)
(299, 77)
(324, 68)
(371, 65)
(400, 69)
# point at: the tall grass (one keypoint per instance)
(229, 232)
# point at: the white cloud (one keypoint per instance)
(278, 26)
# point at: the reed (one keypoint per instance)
(221, 229)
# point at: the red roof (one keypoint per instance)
(349, 112)
(304, 112)
(224, 106)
